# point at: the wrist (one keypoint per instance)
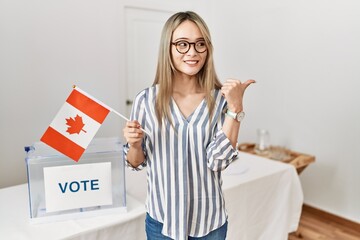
(238, 116)
(134, 146)
(235, 109)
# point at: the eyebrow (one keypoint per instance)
(187, 39)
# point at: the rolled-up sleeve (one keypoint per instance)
(220, 152)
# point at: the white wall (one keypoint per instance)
(45, 48)
(305, 56)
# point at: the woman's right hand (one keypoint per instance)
(133, 134)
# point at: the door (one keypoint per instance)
(143, 31)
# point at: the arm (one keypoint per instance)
(134, 137)
(231, 129)
(233, 91)
(134, 150)
(222, 149)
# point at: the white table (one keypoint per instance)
(15, 225)
(263, 199)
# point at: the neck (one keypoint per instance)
(186, 84)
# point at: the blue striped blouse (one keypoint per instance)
(184, 166)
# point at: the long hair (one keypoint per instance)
(206, 77)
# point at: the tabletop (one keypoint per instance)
(263, 200)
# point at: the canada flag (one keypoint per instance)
(76, 124)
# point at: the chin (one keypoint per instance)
(188, 72)
(192, 72)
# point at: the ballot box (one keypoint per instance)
(61, 189)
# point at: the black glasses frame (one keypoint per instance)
(190, 43)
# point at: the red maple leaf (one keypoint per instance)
(76, 125)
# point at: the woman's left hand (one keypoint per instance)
(233, 91)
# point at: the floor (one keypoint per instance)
(317, 226)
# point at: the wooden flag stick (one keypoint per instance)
(122, 116)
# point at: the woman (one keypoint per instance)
(193, 124)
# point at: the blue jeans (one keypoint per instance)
(153, 231)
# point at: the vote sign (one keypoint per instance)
(77, 186)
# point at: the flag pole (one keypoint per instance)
(122, 116)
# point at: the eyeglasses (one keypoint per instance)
(184, 46)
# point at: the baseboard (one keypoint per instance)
(332, 217)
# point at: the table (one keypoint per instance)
(15, 225)
(263, 200)
(299, 160)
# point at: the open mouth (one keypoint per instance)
(191, 62)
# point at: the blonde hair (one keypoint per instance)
(206, 77)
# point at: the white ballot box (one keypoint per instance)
(61, 189)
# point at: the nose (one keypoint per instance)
(192, 49)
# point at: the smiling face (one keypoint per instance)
(190, 63)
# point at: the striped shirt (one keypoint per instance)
(184, 165)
